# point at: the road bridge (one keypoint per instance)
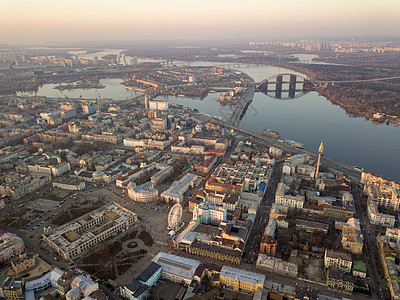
(241, 106)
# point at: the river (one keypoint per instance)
(308, 120)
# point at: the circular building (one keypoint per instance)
(98, 175)
(142, 193)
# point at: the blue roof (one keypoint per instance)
(262, 186)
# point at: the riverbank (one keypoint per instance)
(375, 101)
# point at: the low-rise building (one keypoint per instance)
(352, 238)
(23, 262)
(150, 275)
(55, 170)
(388, 251)
(138, 288)
(206, 165)
(228, 252)
(10, 245)
(13, 288)
(70, 184)
(209, 213)
(312, 227)
(377, 217)
(135, 290)
(338, 261)
(359, 269)
(178, 188)
(142, 193)
(72, 239)
(81, 287)
(176, 268)
(339, 280)
(49, 279)
(112, 176)
(282, 197)
(239, 279)
(276, 265)
(268, 245)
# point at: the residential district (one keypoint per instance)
(106, 199)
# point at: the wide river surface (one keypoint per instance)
(307, 119)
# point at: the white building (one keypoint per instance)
(75, 237)
(194, 149)
(338, 261)
(176, 268)
(158, 104)
(70, 184)
(178, 188)
(378, 218)
(384, 192)
(10, 245)
(286, 199)
(275, 152)
(50, 279)
(133, 142)
(54, 170)
(142, 193)
(85, 285)
(209, 213)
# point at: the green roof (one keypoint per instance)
(187, 168)
(393, 277)
(359, 266)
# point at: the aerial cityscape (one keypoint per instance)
(211, 150)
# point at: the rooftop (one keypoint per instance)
(176, 265)
(243, 275)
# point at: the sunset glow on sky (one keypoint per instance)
(27, 21)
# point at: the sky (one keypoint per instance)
(41, 21)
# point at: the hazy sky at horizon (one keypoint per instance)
(30, 21)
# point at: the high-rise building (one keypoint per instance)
(320, 152)
(146, 101)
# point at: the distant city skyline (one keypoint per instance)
(41, 21)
